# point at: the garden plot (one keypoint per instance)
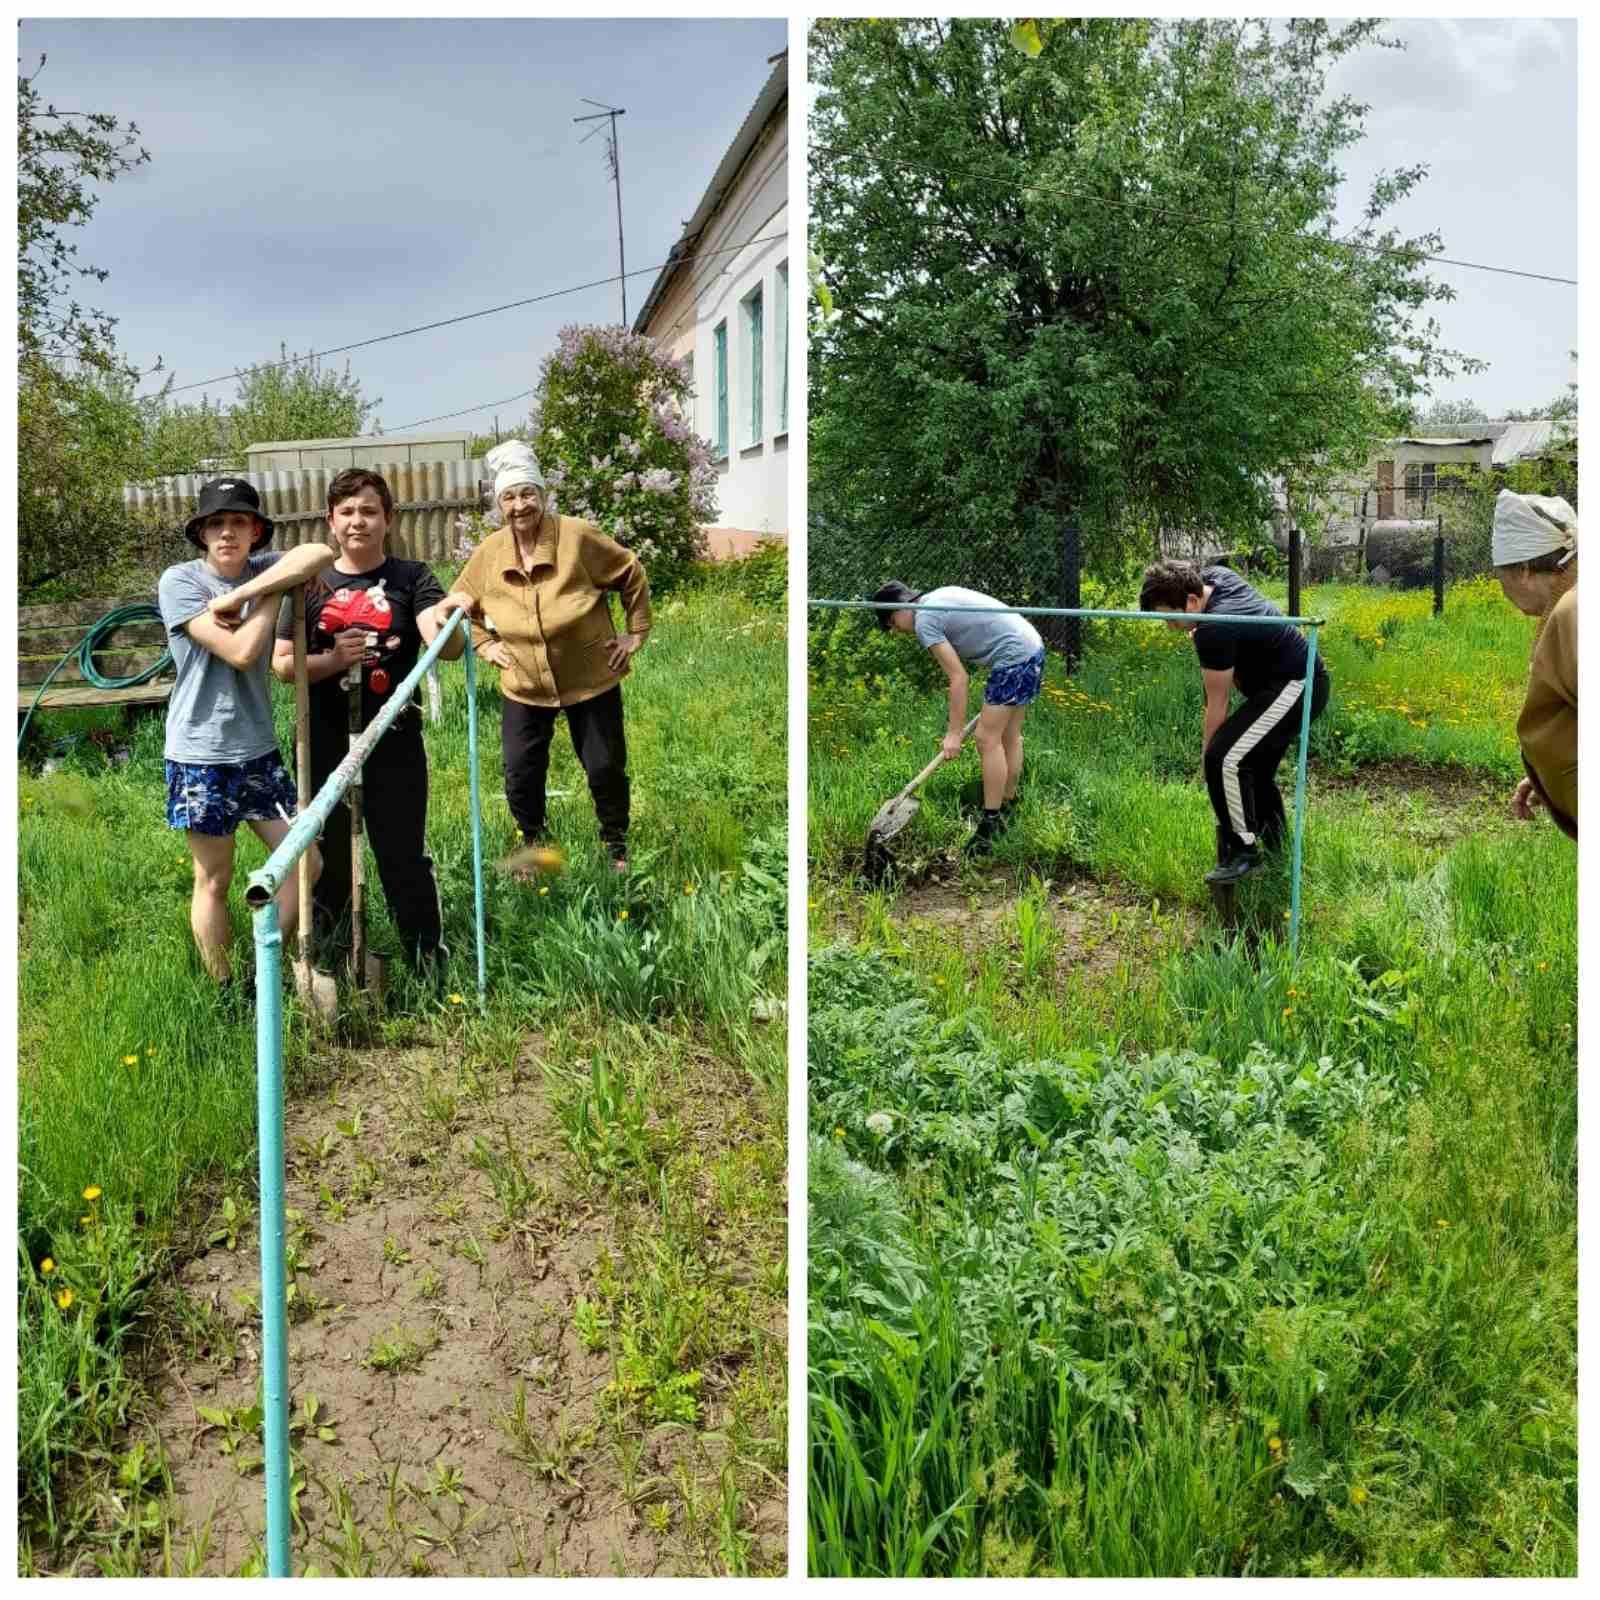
(456, 1389)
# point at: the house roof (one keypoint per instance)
(1512, 441)
(769, 103)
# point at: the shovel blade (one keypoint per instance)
(893, 818)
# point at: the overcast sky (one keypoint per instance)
(1492, 107)
(316, 183)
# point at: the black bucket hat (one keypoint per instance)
(228, 494)
(897, 593)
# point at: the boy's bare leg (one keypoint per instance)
(990, 736)
(208, 905)
(272, 834)
(1012, 743)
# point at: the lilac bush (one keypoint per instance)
(612, 438)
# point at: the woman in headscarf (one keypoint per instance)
(1535, 554)
(537, 592)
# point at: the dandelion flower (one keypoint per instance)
(87, 1222)
(1274, 1444)
(92, 1192)
(46, 1267)
(1439, 1222)
(1288, 1011)
(457, 1000)
(880, 1123)
(622, 916)
(838, 1133)
(544, 889)
(688, 888)
(131, 1061)
(1358, 1495)
(64, 1299)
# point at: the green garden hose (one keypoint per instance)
(92, 642)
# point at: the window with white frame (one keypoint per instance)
(781, 311)
(719, 345)
(750, 366)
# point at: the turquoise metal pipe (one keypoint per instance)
(266, 880)
(274, 1288)
(1064, 611)
(477, 817)
(1300, 792)
(263, 886)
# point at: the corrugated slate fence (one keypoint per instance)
(428, 496)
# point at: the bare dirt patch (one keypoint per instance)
(453, 1399)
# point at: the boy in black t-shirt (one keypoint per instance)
(1268, 668)
(370, 615)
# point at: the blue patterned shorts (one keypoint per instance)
(214, 800)
(1015, 686)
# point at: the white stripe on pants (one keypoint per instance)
(1245, 743)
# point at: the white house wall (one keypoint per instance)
(752, 494)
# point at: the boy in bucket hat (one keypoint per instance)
(1010, 648)
(223, 765)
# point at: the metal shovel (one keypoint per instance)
(894, 815)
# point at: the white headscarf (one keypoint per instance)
(513, 465)
(1527, 526)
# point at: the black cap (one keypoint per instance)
(228, 494)
(899, 594)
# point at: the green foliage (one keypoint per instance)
(615, 447)
(1097, 279)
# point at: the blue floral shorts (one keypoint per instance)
(215, 799)
(1015, 686)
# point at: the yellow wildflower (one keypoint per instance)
(92, 1192)
(457, 1000)
(1358, 1495)
(838, 1133)
(622, 916)
(1274, 1444)
(688, 888)
(544, 888)
(46, 1267)
(1288, 1011)
(131, 1061)
(64, 1299)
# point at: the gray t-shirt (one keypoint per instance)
(1000, 640)
(216, 715)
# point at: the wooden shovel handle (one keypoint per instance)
(302, 771)
(938, 761)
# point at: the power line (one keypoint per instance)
(448, 322)
(1167, 211)
(466, 412)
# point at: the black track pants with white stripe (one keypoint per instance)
(1244, 754)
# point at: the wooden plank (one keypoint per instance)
(76, 611)
(109, 664)
(80, 695)
(150, 636)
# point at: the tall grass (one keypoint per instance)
(136, 1079)
(1200, 1261)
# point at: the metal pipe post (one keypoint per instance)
(274, 1288)
(302, 779)
(1438, 568)
(1300, 791)
(477, 817)
(1295, 557)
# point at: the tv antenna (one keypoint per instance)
(614, 161)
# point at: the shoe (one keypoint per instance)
(1241, 864)
(617, 849)
(984, 835)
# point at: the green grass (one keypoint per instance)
(1136, 1250)
(135, 1079)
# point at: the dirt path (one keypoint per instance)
(453, 1374)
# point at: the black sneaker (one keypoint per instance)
(1241, 864)
(984, 835)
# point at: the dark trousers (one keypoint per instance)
(394, 806)
(596, 729)
(1244, 754)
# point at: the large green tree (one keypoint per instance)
(1102, 279)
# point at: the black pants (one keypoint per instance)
(394, 806)
(1244, 754)
(596, 729)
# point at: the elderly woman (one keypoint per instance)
(223, 764)
(1535, 554)
(537, 591)
(368, 619)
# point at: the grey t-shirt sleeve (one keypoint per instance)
(929, 626)
(182, 595)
